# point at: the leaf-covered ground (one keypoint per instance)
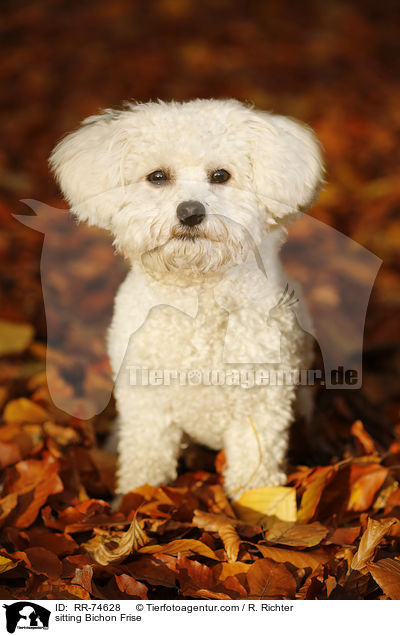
(332, 64)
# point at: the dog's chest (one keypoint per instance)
(172, 338)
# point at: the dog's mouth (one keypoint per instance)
(187, 233)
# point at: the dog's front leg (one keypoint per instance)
(256, 445)
(148, 446)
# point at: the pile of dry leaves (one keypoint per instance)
(332, 532)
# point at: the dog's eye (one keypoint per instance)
(158, 177)
(219, 176)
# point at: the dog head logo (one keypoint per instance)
(26, 615)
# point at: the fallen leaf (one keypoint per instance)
(24, 410)
(86, 515)
(181, 546)
(109, 548)
(270, 580)
(225, 570)
(264, 505)
(344, 536)
(296, 534)
(364, 441)
(365, 483)
(41, 561)
(373, 535)
(28, 486)
(386, 573)
(152, 570)
(195, 579)
(62, 435)
(313, 491)
(130, 586)
(225, 528)
(83, 577)
(14, 337)
(6, 564)
(298, 558)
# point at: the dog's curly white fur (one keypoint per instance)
(186, 282)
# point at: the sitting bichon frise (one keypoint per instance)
(197, 196)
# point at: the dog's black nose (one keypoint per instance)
(191, 212)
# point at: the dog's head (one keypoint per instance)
(188, 186)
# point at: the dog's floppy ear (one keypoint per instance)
(287, 165)
(86, 164)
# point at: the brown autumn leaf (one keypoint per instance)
(152, 570)
(41, 561)
(270, 580)
(232, 587)
(225, 528)
(75, 562)
(298, 558)
(181, 546)
(364, 441)
(386, 573)
(195, 579)
(62, 435)
(18, 441)
(198, 574)
(28, 486)
(10, 453)
(83, 577)
(373, 535)
(109, 548)
(365, 480)
(84, 516)
(344, 536)
(314, 586)
(225, 570)
(313, 492)
(130, 586)
(62, 591)
(296, 534)
(60, 544)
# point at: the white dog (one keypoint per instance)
(197, 196)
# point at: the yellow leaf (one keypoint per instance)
(263, 506)
(231, 569)
(14, 337)
(24, 410)
(6, 564)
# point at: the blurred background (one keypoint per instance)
(333, 64)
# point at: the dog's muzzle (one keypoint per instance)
(190, 212)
